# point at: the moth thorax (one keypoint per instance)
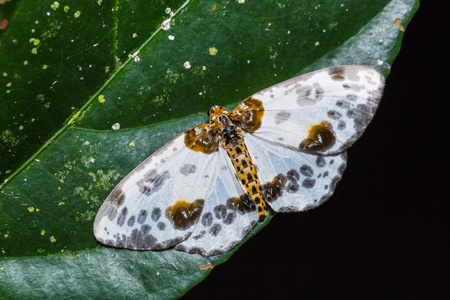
(226, 123)
(216, 111)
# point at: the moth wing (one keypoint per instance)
(158, 204)
(291, 180)
(228, 215)
(323, 112)
(179, 197)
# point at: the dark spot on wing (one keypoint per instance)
(143, 239)
(306, 170)
(282, 116)
(142, 216)
(320, 161)
(156, 214)
(160, 181)
(220, 211)
(230, 218)
(334, 115)
(143, 188)
(112, 212)
(241, 204)
(215, 229)
(292, 184)
(309, 183)
(309, 94)
(122, 217)
(274, 189)
(187, 169)
(200, 235)
(150, 176)
(152, 182)
(337, 73)
(207, 219)
(117, 196)
(351, 97)
(131, 221)
(361, 114)
(161, 226)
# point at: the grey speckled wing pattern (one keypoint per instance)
(283, 148)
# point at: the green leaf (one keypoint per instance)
(68, 73)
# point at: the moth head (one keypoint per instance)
(215, 112)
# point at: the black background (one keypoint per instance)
(385, 232)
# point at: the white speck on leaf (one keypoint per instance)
(134, 54)
(166, 24)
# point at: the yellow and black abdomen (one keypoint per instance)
(246, 173)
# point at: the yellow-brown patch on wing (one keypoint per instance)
(184, 214)
(320, 137)
(249, 114)
(203, 138)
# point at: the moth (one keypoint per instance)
(282, 149)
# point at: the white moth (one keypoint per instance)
(283, 148)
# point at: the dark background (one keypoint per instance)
(385, 232)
